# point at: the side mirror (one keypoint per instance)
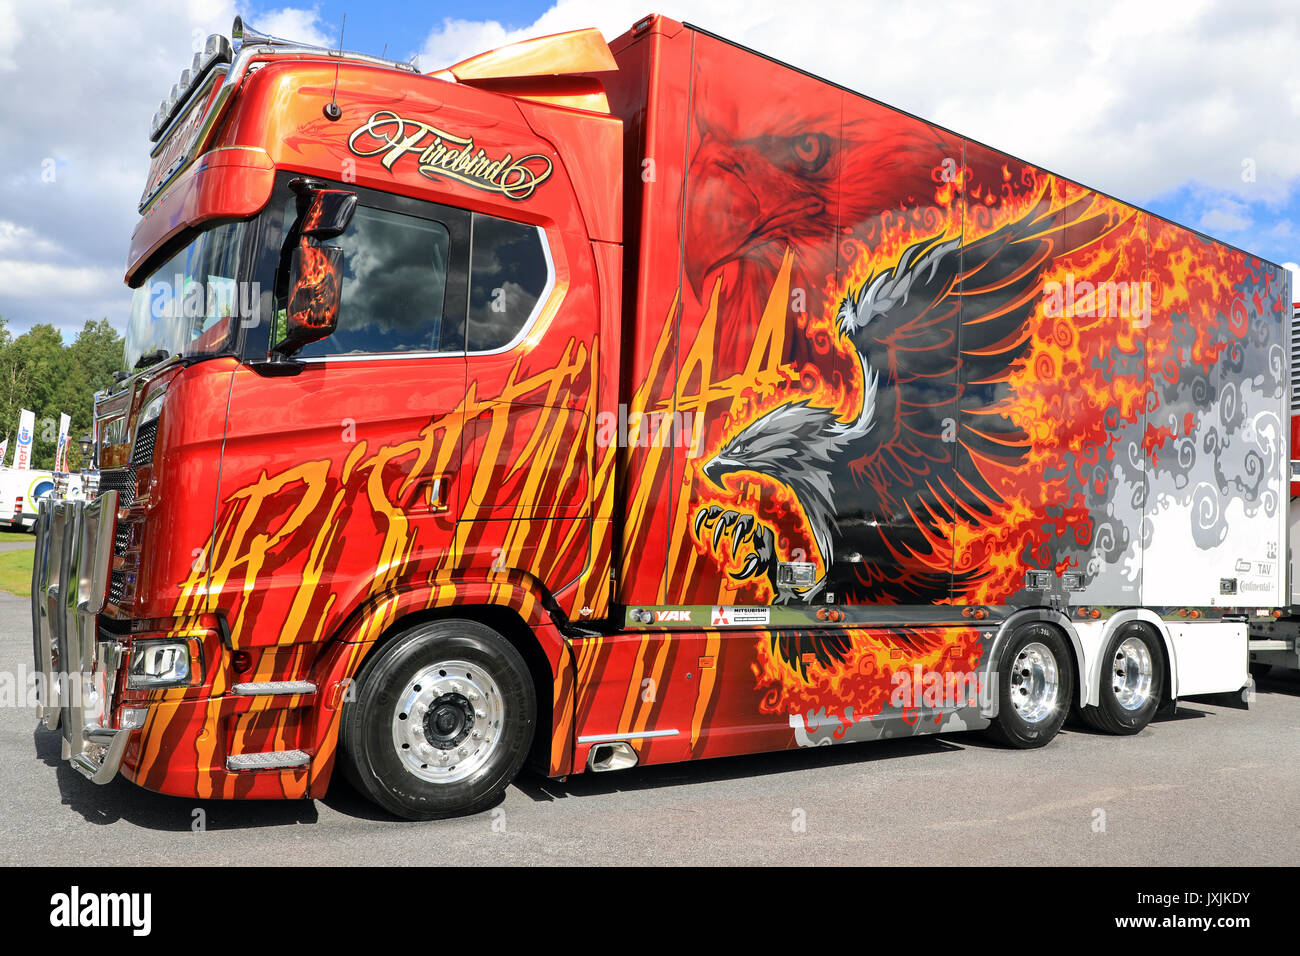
(328, 214)
(315, 284)
(315, 271)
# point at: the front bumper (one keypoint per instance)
(77, 670)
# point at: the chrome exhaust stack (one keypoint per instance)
(615, 755)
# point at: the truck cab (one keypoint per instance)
(367, 367)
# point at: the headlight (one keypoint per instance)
(152, 407)
(159, 664)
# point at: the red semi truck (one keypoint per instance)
(615, 404)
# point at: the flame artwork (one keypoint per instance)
(925, 368)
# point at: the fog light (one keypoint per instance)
(132, 718)
(158, 664)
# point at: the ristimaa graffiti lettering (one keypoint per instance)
(440, 153)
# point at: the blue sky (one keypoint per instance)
(1190, 108)
(401, 27)
(1260, 224)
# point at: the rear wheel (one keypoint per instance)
(1132, 681)
(1035, 682)
(442, 720)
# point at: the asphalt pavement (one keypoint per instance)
(1211, 785)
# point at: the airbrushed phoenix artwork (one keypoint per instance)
(937, 398)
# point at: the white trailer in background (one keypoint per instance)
(21, 490)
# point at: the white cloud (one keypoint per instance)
(1133, 99)
(46, 283)
(80, 84)
(302, 26)
(10, 35)
(20, 240)
(1227, 216)
(457, 39)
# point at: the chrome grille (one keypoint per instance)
(142, 453)
(121, 480)
(116, 587)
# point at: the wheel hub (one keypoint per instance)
(1035, 683)
(447, 721)
(1132, 674)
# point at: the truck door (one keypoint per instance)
(342, 480)
(528, 422)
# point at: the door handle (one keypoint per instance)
(426, 495)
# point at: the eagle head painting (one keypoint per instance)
(762, 187)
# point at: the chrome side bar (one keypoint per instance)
(47, 706)
(78, 671)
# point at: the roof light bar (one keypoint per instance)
(217, 50)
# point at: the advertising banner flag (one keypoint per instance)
(61, 453)
(4, 450)
(26, 433)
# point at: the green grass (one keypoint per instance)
(17, 536)
(16, 572)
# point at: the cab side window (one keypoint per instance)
(394, 288)
(509, 273)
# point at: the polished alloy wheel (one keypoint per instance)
(1034, 683)
(1132, 674)
(447, 722)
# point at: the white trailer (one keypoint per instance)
(21, 490)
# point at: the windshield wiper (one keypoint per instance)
(151, 358)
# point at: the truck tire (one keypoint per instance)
(1131, 682)
(441, 721)
(1035, 684)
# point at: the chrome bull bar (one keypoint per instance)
(77, 671)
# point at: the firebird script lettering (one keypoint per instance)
(440, 153)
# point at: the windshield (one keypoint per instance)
(186, 305)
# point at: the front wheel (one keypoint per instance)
(1035, 681)
(441, 721)
(1132, 680)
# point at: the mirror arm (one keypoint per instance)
(277, 366)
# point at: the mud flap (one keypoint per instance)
(1237, 700)
(1211, 662)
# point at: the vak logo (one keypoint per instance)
(664, 616)
(77, 909)
(439, 153)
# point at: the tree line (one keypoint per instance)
(39, 372)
